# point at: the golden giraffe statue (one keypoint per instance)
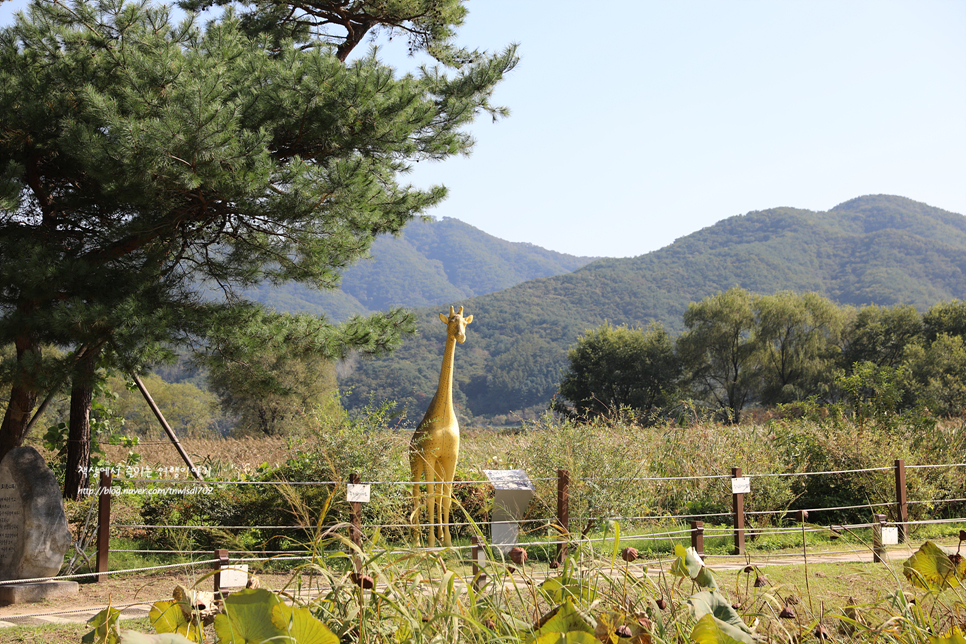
(435, 445)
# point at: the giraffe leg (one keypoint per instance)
(432, 492)
(447, 470)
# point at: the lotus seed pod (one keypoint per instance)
(787, 613)
(629, 554)
(363, 581)
(518, 556)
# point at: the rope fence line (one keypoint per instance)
(561, 522)
(542, 479)
(110, 572)
(545, 521)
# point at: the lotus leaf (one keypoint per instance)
(558, 591)
(167, 617)
(690, 566)
(726, 618)
(572, 637)
(564, 620)
(932, 568)
(301, 625)
(248, 618)
(105, 627)
(955, 636)
(708, 631)
(608, 622)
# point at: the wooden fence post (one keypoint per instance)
(738, 505)
(355, 531)
(878, 550)
(103, 524)
(222, 556)
(563, 511)
(697, 537)
(478, 555)
(902, 506)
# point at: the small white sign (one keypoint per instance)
(357, 493)
(480, 556)
(509, 480)
(234, 577)
(890, 535)
(741, 485)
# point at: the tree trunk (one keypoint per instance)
(23, 397)
(79, 434)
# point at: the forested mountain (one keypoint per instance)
(430, 263)
(876, 249)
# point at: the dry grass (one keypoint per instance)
(240, 455)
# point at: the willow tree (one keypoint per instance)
(719, 349)
(140, 158)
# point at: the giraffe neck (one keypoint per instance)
(442, 404)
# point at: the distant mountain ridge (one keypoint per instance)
(430, 263)
(875, 249)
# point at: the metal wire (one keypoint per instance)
(110, 572)
(867, 469)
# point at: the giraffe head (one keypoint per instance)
(456, 324)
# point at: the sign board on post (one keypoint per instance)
(357, 493)
(890, 535)
(235, 576)
(741, 485)
(513, 491)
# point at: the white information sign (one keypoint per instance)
(357, 493)
(235, 576)
(890, 535)
(741, 485)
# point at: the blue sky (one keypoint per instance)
(636, 122)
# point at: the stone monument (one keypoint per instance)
(512, 494)
(33, 529)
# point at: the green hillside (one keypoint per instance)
(875, 249)
(432, 262)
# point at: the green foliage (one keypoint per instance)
(154, 157)
(947, 318)
(799, 337)
(270, 370)
(106, 424)
(880, 335)
(613, 368)
(938, 374)
(719, 350)
(874, 393)
(330, 447)
(190, 411)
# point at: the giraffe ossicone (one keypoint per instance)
(434, 448)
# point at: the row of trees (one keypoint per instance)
(741, 350)
(150, 169)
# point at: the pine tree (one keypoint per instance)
(139, 159)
